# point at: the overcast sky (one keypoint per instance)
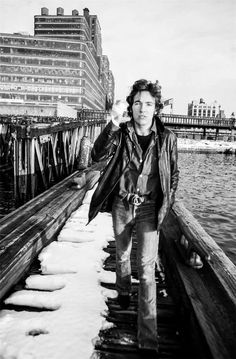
(188, 45)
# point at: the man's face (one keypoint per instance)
(143, 109)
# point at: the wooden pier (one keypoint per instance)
(196, 307)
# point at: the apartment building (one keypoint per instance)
(202, 109)
(62, 62)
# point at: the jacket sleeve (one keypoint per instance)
(106, 143)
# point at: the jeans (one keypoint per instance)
(143, 219)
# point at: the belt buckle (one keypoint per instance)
(136, 200)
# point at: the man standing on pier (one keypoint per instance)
(138, 187)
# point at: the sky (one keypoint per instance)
(68, 290)
(188, 45)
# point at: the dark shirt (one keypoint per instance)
(144, 142)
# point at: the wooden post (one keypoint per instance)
(233, 134)
(84, 156)
(204, 132)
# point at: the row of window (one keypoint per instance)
(43, 80)
(203, 107)
(40, 98)
(42, 71)
(58, 26)
(52, 89)
(59, 20)
(63, 45)
(61, 32)
(39, 62)
(204, 113)
(38, 53)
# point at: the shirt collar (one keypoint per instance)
(130, 127)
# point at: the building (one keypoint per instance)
(60, 63)
(111, 87)
(107, 80)
(201, 109)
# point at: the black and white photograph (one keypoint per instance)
(117, 179)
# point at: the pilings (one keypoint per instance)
(45, 152)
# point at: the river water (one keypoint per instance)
(208, 189)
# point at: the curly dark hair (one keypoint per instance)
(144, 85)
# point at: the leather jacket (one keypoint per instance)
(114, 146)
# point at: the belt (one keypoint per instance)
(136, 199)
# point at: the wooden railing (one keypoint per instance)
(27, 230)
(207, 296)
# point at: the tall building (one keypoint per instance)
(71, 27)
(61, 63)
(111, 87)
(107, 80)
(202, 109)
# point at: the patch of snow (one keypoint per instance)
(70, 281)
(45, 282)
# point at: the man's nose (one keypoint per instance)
(142, 107)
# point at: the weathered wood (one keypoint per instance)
(11, 221)
(20, 244)
(213, 256)
(120, 340)
(208, 294)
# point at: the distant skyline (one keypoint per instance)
(188, 45)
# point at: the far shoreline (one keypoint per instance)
(206, 146)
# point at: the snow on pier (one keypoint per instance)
(65, 300)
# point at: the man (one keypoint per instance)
(138, 187)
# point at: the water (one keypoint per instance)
(208, 189)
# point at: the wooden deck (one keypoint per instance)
(119, 341)
(197, 317)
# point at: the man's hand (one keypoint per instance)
(119, 112)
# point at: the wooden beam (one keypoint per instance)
(208, 294)
(21, 245)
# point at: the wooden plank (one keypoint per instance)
(213, 256)
(121, 338)
(39, 153)
(53, 143)
(207, 294)
(11, 221)
(21, 246)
